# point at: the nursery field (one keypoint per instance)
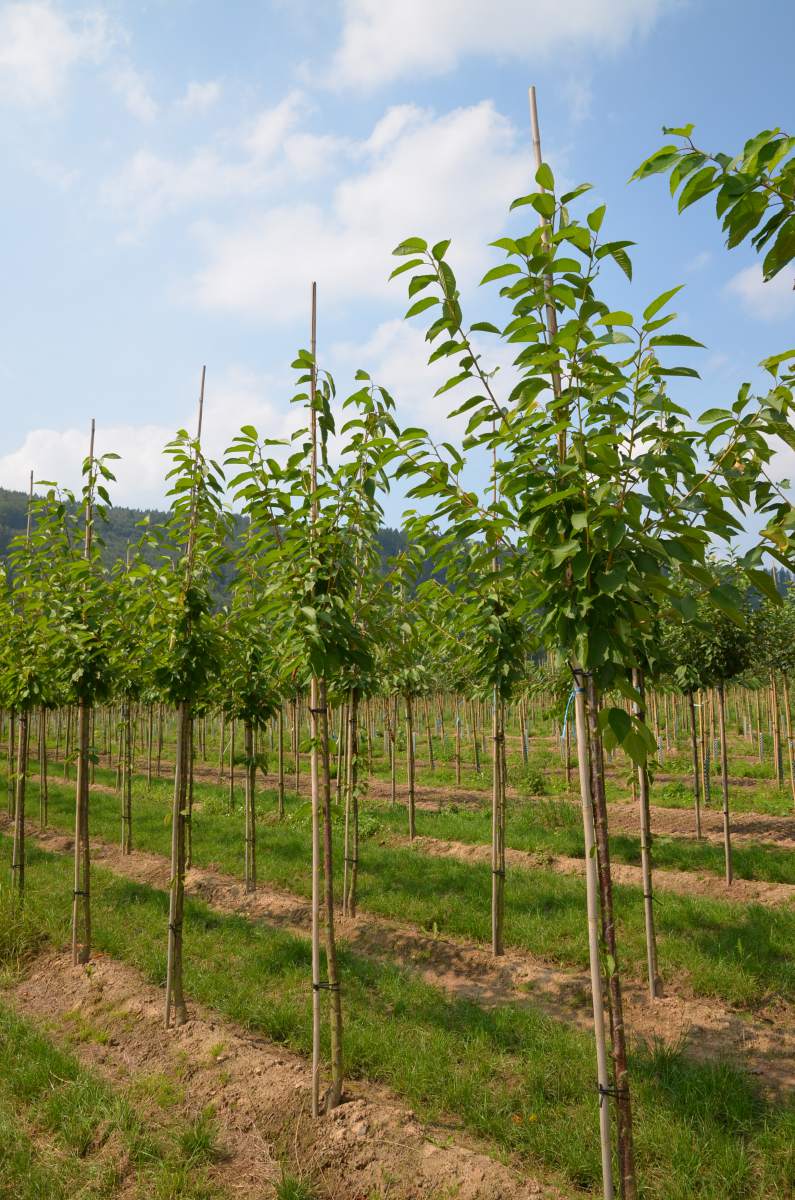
(475, 1055)
(461, 873)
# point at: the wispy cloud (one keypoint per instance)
(41, 44)
(384, 40)
(772, 301)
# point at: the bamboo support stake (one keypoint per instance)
(175, 1008)
(655, 987)
(81, 897)
(592, 907)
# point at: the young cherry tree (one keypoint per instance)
(77, 618)
(24, 668)
(604, 487)
(307, 518)
(186, 648)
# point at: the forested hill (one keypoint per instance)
(122, 527)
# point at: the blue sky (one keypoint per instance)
(175, 172)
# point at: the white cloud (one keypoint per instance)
(238, 397)
(699, 261)
(578, 93)
(199, 97)
(269, 129)
(772, 301)
(267, 153)
(40, 45)
(396, 358)
(383, 40)
(131, 88)
(437, 176)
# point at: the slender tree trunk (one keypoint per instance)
(67, 742)
(497, 827)
(594, 954)
(18, 851)
(625, 1142)
(150, 735)
(159, 737)
(393, 724)
(81, 893)
(788, 720)
(126, 802)
(232, 764)
(431, 761)
(410, 766)
(251, 811)
(457, 744)
(351, 865)
(655, 984)
(694, 751)
(281, 761)
(221, 749)
(724, 764)
(776, 723)
(176, 1011)
(44, 786)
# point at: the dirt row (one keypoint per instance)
(689, 883)
(260, 1094)
(749, 827)
(708, 1029)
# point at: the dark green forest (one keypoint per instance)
(122, 527)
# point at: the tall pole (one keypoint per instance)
(81, 898)
(314, 761)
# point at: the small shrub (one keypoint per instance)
(528, 781)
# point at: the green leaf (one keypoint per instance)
(500, 272)
(699, 185)
(615, 318)
(652, 309)
(413, 245)
(421, 305)
(596, 217)
(545, 178)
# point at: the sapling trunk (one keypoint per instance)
(281, 761)
(18, 851)
(655, 984)
(410, 766)
(221, 749)
(497, 828)
(176, 1011)
(150, 718)
(126, 804)
(788, 720)
(81, 893)
(724, 763)
(351, 865)
(694, 752)
(625, 1141)
(431, 762)
(776, 724)
(594, 954)
(251, 812)
(44, 787)
(232, 764)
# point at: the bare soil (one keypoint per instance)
(763, 1043)
(372, 1145)
(700, 883)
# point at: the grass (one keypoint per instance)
(739, 953)
(64, 1133)
(510, 1075)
